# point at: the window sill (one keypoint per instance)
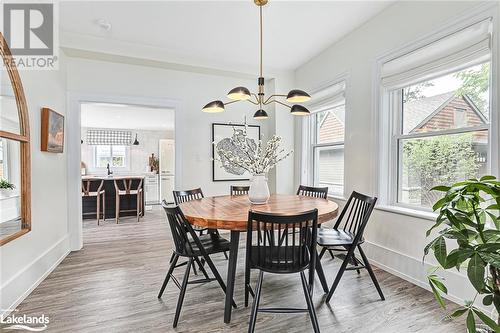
(431, 216)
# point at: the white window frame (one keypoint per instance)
(397, 135)
(388, 124)
(306, 163)
(124, 168)
(314, 146)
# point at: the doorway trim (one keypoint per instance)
(73, 137)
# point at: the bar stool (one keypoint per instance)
(128, 187)
(94, 188)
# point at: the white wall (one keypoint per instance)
(149, 142)
(25, 261)
(395, 241)
(191, 91)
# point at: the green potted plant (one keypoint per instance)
(5, 186)
(469, 217)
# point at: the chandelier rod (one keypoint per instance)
(260, 7)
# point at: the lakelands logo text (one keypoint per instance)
(29, 30)
(24, 322)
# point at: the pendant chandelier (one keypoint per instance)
(243, 94)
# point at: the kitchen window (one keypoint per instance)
(115, 156)
(436, 117)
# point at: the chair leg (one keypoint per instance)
(172, 257)
(117, 210)
(169, 273)
(323, 250)
(202, 269)
(225, 253)
(331, 254)
(370, 271)
(355, 261)
(104, 206)
(182, 293)
(310, 305)
(247, 283)
(339, 274)
(255, 306)
(98, 209)
(215, 272)
(138, 206)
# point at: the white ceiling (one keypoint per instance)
(102, 115)
(215, 34)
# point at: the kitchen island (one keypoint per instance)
(127, 202)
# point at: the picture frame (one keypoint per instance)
(52, 132)
(219, 132)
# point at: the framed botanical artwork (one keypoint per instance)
(221, 138)
(52, 131)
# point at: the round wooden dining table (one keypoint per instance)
(231, 213)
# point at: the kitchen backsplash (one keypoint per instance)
(138, 155)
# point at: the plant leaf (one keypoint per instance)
(491, 258)
(487, 320)
(471, 323)
(440, 251)
(458, 256)
(440, 188)
(487, 177)
(475, 272)
(458, 312)
(488, 300)
(437, 295)
(439, 203)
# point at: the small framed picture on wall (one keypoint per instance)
(52, 131)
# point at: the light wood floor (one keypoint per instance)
(111, 286)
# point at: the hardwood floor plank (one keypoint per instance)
(111, 286)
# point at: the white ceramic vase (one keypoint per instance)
(258, 193)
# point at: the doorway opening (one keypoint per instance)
(127, 162)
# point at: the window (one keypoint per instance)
(442, 133)
(460, 117)
(115, 156)
(328, 128)
(435, 124)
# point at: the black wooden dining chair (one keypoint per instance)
(294, 255)
(189, 195)
(193, 247)
(347, 235)
(315, 192)
(309, 191)
(239, 190)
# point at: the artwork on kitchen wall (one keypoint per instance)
(52, 131)
(221, 138)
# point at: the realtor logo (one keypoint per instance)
(29, 28)
(31, 33)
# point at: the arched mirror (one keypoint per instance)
(15, 165)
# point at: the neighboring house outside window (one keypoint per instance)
(443, 139)
(328, 148)
(434, 114)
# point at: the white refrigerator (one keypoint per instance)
(167, 170)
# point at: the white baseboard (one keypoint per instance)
(17, 288)
(414, 271)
